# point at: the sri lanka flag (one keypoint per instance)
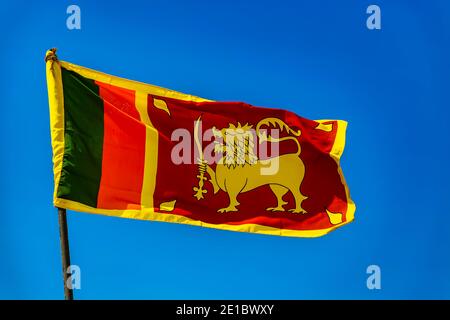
(128, 149)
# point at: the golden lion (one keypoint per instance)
(239, 169)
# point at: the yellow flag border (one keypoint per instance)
(56, 105)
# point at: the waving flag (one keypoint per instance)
(128, 149)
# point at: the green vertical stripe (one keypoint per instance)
(83, 140)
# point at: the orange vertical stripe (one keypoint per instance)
(123, 150)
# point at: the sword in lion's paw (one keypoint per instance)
(199, 191)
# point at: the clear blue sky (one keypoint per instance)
(316, 58)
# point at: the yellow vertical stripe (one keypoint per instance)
(151, 153)
(56, 105)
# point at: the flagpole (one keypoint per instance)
(65, 253)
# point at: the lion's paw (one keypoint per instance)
(301, 211)
(278, 209)
(227, 209)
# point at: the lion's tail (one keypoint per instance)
(275, 122)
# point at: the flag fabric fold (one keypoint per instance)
(128, 149)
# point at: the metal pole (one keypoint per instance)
(65, 254)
